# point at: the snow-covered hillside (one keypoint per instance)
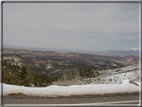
(125, 52)
(130, 49)
(112, 76)
(107, 82)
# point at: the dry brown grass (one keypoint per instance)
(67, 82)
(17, 94)
(132, 82)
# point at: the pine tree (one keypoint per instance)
(26, 78)
(14, 74)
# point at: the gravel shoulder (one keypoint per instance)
(77, 99)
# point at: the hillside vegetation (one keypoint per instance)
(95, 76)
(21, 75)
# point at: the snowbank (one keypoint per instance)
(55, 90)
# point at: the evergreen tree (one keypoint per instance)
(16, 75)
(26, 78)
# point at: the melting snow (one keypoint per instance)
(55, 90)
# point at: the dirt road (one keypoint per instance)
(23, 99)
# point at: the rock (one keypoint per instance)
(120, 82)
(132, 82)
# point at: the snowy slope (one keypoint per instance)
(130, 49)
(105, 83)
(126, 51)
(112, 76)
(53, 91)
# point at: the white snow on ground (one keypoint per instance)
(54, 90)
(106, 83)
(113, 76)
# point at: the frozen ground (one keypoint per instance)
(54, 90)
(113, 76)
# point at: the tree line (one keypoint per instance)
(21, 75)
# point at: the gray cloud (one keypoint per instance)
(90, 26)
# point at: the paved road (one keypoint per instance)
(84, 99)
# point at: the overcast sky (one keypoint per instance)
(83, 26)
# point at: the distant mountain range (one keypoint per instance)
(121, 52)
(126, 51)
(130, 49)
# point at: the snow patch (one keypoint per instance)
(54, 90)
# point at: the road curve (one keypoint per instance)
(121, 98)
